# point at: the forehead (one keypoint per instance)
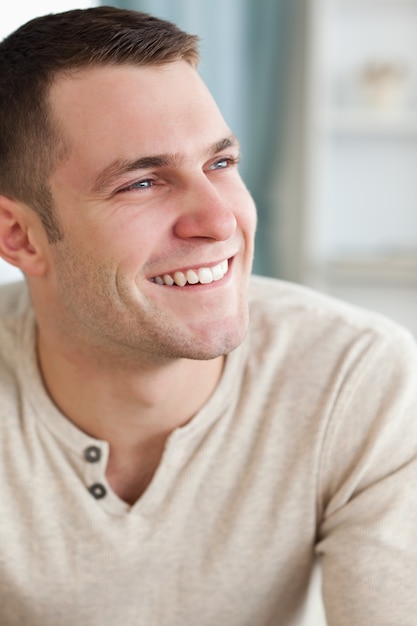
(131, 105)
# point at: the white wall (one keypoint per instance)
(13, 14)
(8, 273)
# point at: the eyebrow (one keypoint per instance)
(122, 166)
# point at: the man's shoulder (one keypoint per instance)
(14, 299)
(14, 302)
(305, 311)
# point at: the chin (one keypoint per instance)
(213, 346)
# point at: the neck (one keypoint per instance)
(125, 404)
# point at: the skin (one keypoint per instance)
(101, 316)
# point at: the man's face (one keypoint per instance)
(149, 197)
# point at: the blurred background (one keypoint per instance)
(323, 96)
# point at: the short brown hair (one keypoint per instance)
(40, 50)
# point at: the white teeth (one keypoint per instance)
(168, 280)
(192, 277)
(203, 275)
(179, 279)
(217, 272)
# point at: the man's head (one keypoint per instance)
(149, 250)
(31, 60)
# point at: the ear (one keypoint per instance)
(22, 238)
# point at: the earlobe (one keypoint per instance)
(20, 241)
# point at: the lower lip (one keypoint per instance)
(201, 286)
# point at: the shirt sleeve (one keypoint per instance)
(367, 541)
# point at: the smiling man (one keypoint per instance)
(180, 442)
(155, 205)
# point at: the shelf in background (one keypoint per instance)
(397, 270)
(362, 122)
(365, 3)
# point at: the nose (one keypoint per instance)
(205, 212)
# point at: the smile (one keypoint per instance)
(203, 276)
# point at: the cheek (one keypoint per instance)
(128, 239)
(246, 214)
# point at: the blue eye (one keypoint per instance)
(220, 164)
(223, 163)
(140, 184)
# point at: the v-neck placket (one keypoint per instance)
(89, 457)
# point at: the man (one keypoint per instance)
(179, 441)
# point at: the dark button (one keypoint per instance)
(92, 454)
(98, 491)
